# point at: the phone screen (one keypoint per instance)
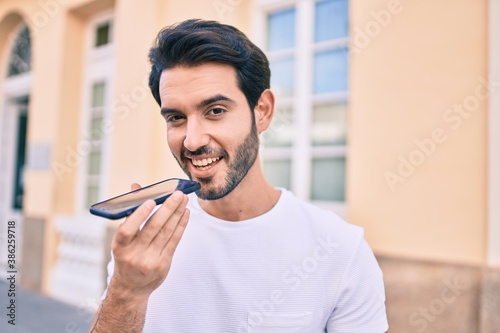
(125, 204)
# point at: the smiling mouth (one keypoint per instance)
(205, 163)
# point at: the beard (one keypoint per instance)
(244, 157)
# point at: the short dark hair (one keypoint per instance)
(195, 42)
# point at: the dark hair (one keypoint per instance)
(195, 42)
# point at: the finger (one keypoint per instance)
(135, 186)
(177, 200)
(174, 240)
(164, 234)
(128, 230)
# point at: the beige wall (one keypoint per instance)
(404, 76)
(427, 57)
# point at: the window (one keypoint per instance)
(305, 147)
(20, 157)
(102, 34)
(93, 167)
(96, 111)
(20, 57)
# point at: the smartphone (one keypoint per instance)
(125, 204)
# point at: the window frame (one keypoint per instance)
(98, 67)
(302, 151)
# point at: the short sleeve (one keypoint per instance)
(360, 305)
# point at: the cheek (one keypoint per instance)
(175, 141)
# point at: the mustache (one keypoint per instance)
(205, 150)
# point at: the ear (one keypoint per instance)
(264, 110)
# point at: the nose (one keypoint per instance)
(196, 135)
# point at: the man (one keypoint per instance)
(253, 258)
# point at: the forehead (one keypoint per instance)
(194, 83)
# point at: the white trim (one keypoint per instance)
(17, 86)
(494, 136)
(328, 151)
(281, 54)
(276, 153)
(301, 156)
(274, 5)
(325, 98)
(331, 44)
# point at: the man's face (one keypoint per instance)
(210, 129)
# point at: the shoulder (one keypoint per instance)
(321, 221)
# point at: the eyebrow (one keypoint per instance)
(202, 104)
(212, 100)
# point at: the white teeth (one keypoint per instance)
(204, 162)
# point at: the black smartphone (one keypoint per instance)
(123, 205)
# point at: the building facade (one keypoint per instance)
(387, 113)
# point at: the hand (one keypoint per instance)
(143, 257)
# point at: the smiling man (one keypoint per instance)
(240, 255)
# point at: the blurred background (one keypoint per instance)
(387, 113)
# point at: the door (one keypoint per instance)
(13, 130)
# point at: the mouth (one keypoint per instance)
(205, 163)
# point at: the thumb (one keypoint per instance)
(135, 186)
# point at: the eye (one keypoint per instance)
(174, 118)
(216, 112)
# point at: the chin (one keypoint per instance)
(213, 193)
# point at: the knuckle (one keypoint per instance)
(148, 267)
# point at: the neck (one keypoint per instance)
(252, 197)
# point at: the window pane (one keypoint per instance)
(96, 128)
(102, 34)
(278, 172)
(281, 30)
(329, 124)
(98, 94)
(94, 162)
(331, 20)
(280, 133)
(328, 179)
(20, 159)
(330, 71)
(92, 195)
(282, 82)
(20, 57)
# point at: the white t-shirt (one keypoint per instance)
(296, 268)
